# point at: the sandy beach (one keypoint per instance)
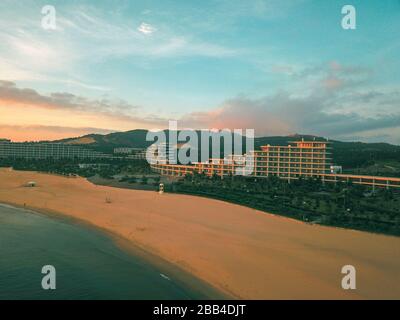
(240, 251)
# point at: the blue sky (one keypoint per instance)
(280, 67)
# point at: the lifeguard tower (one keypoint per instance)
(161, 188)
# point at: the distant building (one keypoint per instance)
(39, 150)
(131, 153)
(92, 165)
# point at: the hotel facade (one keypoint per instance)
(32, 150)
(299, 159)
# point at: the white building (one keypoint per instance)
(44, 150)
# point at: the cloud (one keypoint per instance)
(146, 28)
(282, 114)
(43, 132)
(87, 36)
(9, 92)
(27, 107)
(58, 129)
(332, 101)
(331, 75)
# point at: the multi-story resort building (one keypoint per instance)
(293, 161)
(46, 150)
(290, 162)
(131, 153)
(36, 150)
(299, 159)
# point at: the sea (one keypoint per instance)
(88, 263)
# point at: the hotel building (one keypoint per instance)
(39, 150)
(131, 153)
(299, 159)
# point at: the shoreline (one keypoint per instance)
(236, 251)
(174, 272)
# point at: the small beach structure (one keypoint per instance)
(108, 200)
(30, 184)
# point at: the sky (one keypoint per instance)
(277, 66)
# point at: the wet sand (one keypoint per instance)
(242, 252)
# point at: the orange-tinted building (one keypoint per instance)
(307, 159)
(298, 159)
